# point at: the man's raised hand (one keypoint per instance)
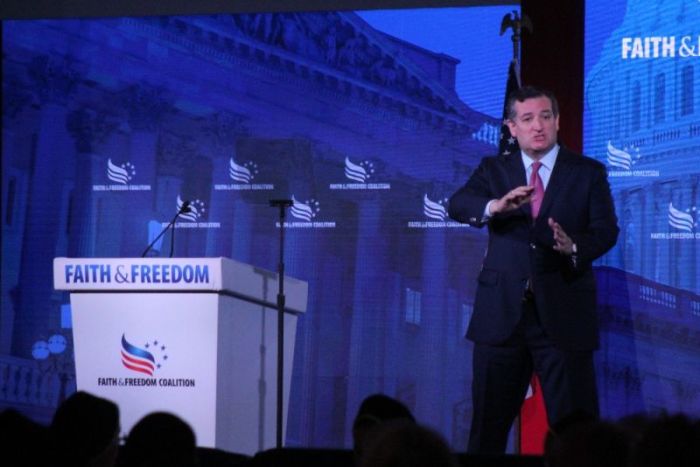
(512, 200)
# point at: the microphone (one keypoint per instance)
(184, 208)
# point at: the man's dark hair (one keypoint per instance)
(530, 92)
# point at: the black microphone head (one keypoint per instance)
(285, 203)
(185, 207)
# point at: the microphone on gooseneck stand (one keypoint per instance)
(183, 209)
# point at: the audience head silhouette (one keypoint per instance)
(85, 432)
(402, 443)
(669, 440)
(160, 439)
(374, 411)
(586, 443)
(23, 440)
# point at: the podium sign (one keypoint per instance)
(195, 337)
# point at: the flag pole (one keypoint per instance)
(508, 144)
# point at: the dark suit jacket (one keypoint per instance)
(578, 198)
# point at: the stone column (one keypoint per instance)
(685, 249)
(665, 256)
(676, 247)
(88, 128)
(648, 226)
(146, 108)
(15, 178)
(172, 155)
(430, 382)
(301, 260)
(54, 80)
(626, 241)
(240, 231)
(694, 270)
(226, 206)
(366, 349)
(635, 210)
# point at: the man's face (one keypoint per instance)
(535, 126)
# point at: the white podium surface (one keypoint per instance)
(196, 337)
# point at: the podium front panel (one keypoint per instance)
(209, 358)
(150, 352)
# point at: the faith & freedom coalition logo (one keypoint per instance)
(622, 161)
(360, 175)
(305, 214)
(141, 360)
(437, 213)
(654, 47)
(121, 177)
(142, 364)
(683, 225)
(193, 217)
(242, 177)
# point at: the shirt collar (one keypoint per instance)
(547, 160)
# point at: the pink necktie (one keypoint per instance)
(538, 194)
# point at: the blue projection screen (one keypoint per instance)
(368, 120)
(642, 119)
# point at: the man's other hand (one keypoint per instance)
(563, 243)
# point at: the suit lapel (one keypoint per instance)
(517, 177)
(559, 178)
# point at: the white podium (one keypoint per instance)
(196, 337)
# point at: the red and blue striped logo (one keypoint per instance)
(137, 359)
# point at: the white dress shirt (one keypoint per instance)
(548, 161)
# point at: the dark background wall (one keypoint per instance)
(552, 57)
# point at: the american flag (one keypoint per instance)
(508, 144)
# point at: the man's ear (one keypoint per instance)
(512, 127)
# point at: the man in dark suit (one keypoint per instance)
(549, 214)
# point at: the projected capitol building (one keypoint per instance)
(643, 122)
(109, 125)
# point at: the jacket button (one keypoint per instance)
(472, 220)
(533, 246)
